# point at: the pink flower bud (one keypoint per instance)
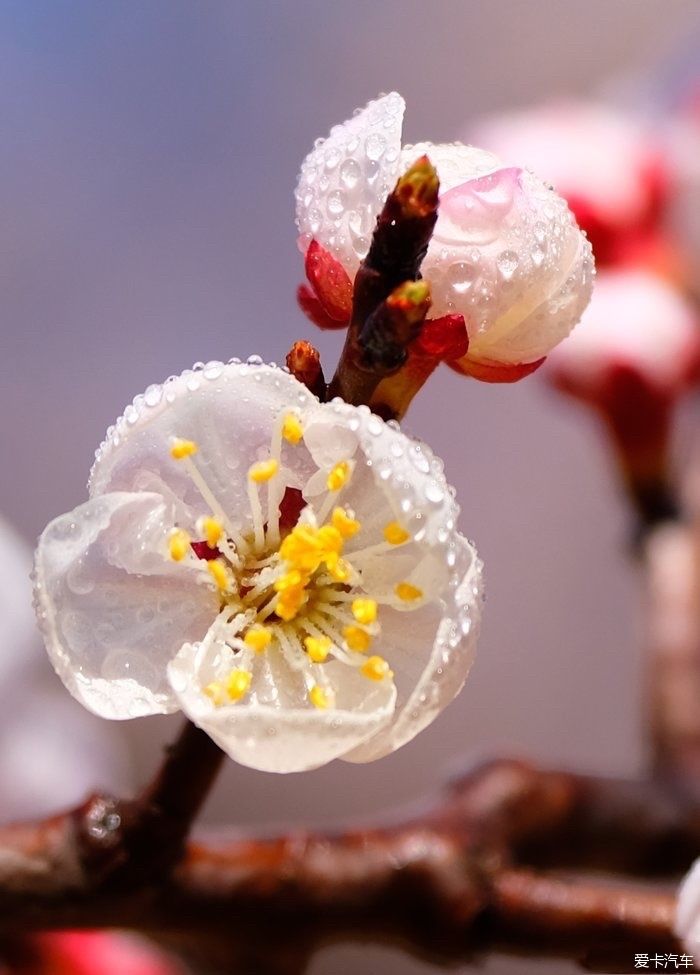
(635, 352)
(636, 323)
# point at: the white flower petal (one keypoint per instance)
(112, 608)
(229, 412)
(431, 652)
(346, 178)
(288, 736)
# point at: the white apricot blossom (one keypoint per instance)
(506, 252)
(288, 573)
(687, 920)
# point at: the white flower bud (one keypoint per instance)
(506, 252)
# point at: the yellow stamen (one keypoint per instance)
(238, 684)
(364, 610)
(344, 523)
(179, 545)
(357, 639)
(213, 530)
(292, 430)
(376, 668)
(179, 449)
(290, 601)
(290, 580)
(338, 476)
(317, 648)
(216, 693)
(407, 592)
(264, 470)
(395, 534)
(320, 698)
(258, 638)
(219, 574)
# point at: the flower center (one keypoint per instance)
(286, 589)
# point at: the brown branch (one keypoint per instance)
(672, 563)
(446, 883)
(122, 844)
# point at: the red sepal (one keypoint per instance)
(496, 372)
(330, 282)
(444, 338)
(314, 310)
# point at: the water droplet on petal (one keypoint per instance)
(507, 264)
(153, 395)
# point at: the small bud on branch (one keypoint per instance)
(304, 363)
(388, 307)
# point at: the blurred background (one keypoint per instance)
(148, 158)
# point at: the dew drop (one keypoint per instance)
(153, 395)
(335, 203)
(434, 492)
(461, 276)
(375, 145)
(213, 369)
(507, 264)
(350, 174)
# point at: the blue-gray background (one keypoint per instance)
(148, 153)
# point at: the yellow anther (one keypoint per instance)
(305, 548)
(238, 684)
(292, 430)
(290, 580)
(407, 592)
(357, 639)
(258, 638)
(219, 574)
(319, 698)
(364, 610)
(395, 534)
(338, 476)
(330, 539)
(376, 668)
(216, 693)
(178, 545)
(212, 530)
(264, 470)
(317, 648)
(344, 523)
(182, 448)
(290, 602)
